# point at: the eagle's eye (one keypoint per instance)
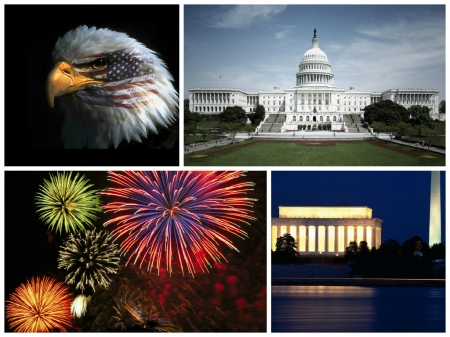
(98, 64)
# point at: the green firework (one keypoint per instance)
(67, 203)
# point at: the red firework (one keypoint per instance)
(181, 215)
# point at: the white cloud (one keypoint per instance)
(243, 16)
(391, 56)
(280, 35)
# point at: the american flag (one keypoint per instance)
(128, 77)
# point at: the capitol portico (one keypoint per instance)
(326, 231)
(313, 100)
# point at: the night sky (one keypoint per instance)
(31, 251)
(400, 198)
(31, 125)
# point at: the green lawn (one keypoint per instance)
(439, 141)
(207, 124)
(291, 154)
(199, 139)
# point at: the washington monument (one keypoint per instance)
(435, 209)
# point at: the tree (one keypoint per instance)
(285, 250)
(249, 128)
(231, 129)
(204, 133)
(387, 112)
(186, 105)
(378, 127)
(233, 114)
(437, 251)
(420, 117)
(442, 107)
(350, 251)
(258, 115)
(430, 136)
(189, 130)
(415, 258)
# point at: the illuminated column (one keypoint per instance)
(345, 237)
(293, 232)
(342, 237)
(369, 237)
(374, 239)
(351, 234)
(322, 239)
(274, 236)
(311, 238)
(278, 231)
(316, 245)
(327, 249)
(306, 238)
(378, 237)
(283, 230)
(336, 239)
(302, 238)
(365, 235)
(359, 234)
(435, 209)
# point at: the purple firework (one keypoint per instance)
(182, 215)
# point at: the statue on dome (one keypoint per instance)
(315, 32)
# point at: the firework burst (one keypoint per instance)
(89, 257)
(66, 203)
(40, 305)
(178, 215)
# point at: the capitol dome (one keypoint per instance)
(314, 69)
(315, 53)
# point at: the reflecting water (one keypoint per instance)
(357, 309)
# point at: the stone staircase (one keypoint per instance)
(273, 123)
(354, 124)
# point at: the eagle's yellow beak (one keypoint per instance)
(64, 80)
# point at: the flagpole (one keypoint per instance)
(221, 81)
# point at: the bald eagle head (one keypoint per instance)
(110, 87)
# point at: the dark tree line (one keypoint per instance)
(412, 259)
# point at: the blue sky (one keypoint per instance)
(400, 198)
(370, 47)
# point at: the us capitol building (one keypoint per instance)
(313, 100)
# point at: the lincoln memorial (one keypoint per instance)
(326, 230)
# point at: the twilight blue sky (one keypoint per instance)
(370, 47)
(400, 198)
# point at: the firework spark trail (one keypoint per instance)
(66, 203)
(40, 305)
(182, 212)
(89, 257)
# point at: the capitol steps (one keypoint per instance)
(351, 121)
(273, 123)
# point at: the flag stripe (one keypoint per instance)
(126, 85)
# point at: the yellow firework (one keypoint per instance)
(40, 305)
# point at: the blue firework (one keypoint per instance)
(178, 215)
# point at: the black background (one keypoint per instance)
(32, 128)
(29, 249)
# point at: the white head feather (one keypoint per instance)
(94, 126)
